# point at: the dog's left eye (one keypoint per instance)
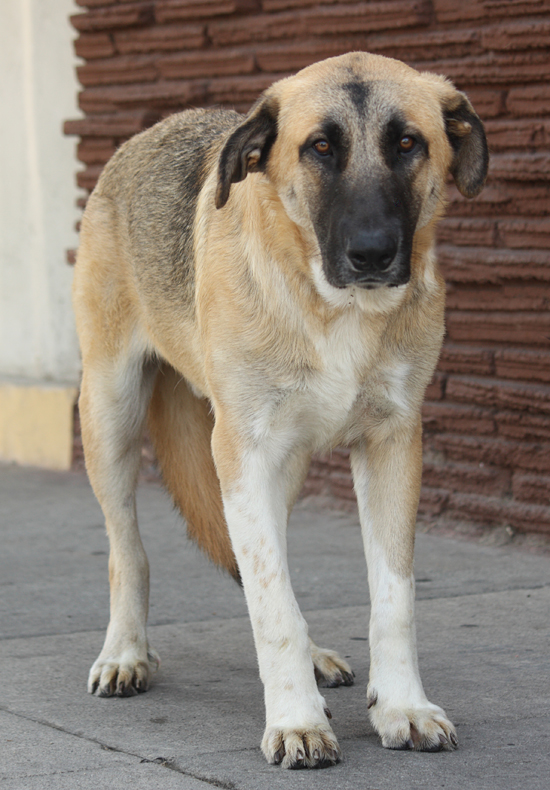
(322, 147)
(407, 144)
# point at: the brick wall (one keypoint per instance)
(487, 415)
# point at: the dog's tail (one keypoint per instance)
(181, 427)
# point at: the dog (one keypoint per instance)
(258, 288)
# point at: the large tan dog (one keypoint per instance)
(262, 288)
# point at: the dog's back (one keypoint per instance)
(150, 189)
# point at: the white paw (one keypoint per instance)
(330, 669)
(124, 675)
(314, 747)
(423, 727)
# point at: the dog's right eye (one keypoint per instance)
(322, 147)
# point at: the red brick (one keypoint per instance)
(529, 456)
(496, 250)
(518, 133)
(530, 34)
(516, 198)
(534, 398)
(493, 510)
(432, 500)
(94, 45)
(520, 166)
(496, 511)
(513, 328)
(230, 91)
(467, 232)
(178, 10)
(341, 485)
(522, 364)
(529, 100)
(119, 70)
(436, 388)
(531, 488)
(492, 69)
(332, 20)
(525, 233)
(488, 102)
(452, 418)
(282, 5)
(87, 179)
(336, 459)
(98, 3)
(430, 45)
(292, 56)
(523, 427)
(509, 296)
(495, 198)
(456, 358)
(451, 11)
(161, 38)
(410, 47)
(163, 94)
(486, 265)
(208, 63)
(121, 15)
(468, 478)
(95, 150)
(117, 124)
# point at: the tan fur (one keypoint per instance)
(210, 294)
(181, 429)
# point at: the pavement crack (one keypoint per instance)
(172, 766)
(160, 761)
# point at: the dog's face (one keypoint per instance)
(359, 149)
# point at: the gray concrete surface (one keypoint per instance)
(483, 631)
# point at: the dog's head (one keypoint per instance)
(359, 148)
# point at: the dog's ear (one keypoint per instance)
(247, 148)
(467, 137)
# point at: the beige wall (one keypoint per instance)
(38, 91)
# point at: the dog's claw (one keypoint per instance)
(372, 699)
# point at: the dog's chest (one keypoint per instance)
(357, 384)
(351, 384)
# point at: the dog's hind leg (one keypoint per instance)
(181, 424)
(116, 389)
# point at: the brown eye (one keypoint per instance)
(322, 147)
(407, 144)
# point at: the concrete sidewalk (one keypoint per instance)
(483, 633)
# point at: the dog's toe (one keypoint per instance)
(331, 670)
(125, 677)
(425, 728)
(315, 747)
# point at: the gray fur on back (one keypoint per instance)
(154, 181)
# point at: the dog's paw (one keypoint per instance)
(424, 728)
(315, 747)
(330, 669)
(124, 676)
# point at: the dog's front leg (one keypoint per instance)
(253, 486)
(387, 472)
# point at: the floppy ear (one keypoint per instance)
(247, 148)
(467, 137)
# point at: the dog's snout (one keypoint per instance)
(372, 250)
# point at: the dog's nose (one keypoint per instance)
(372, 250)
